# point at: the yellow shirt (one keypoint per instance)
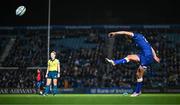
(53, 65)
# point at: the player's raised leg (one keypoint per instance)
(124, 60)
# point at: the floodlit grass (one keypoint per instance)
(89, 99)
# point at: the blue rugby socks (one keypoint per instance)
(121, 61)
(47, 89)
(55, 90)
(139, 85)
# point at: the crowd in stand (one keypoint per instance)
(29, 50)
(17, 78)
(85, 67)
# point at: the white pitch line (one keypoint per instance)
(89, 104)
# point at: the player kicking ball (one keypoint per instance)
(53, 73)
(145, 57)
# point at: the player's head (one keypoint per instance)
(53, 55)
(38, 71)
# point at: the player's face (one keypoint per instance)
(38, 70)
(53, 56)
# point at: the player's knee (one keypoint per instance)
(55, 82)
(130, 57)
(48, 82)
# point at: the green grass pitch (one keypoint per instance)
(89, 99)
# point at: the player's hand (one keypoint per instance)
(112, 34)
(157, 59)
(58, 75)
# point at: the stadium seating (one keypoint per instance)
(82, 53)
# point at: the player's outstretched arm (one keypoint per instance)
(155, 56)
(47, 70)
(58, 68)
(112, 34)
(47, 73)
